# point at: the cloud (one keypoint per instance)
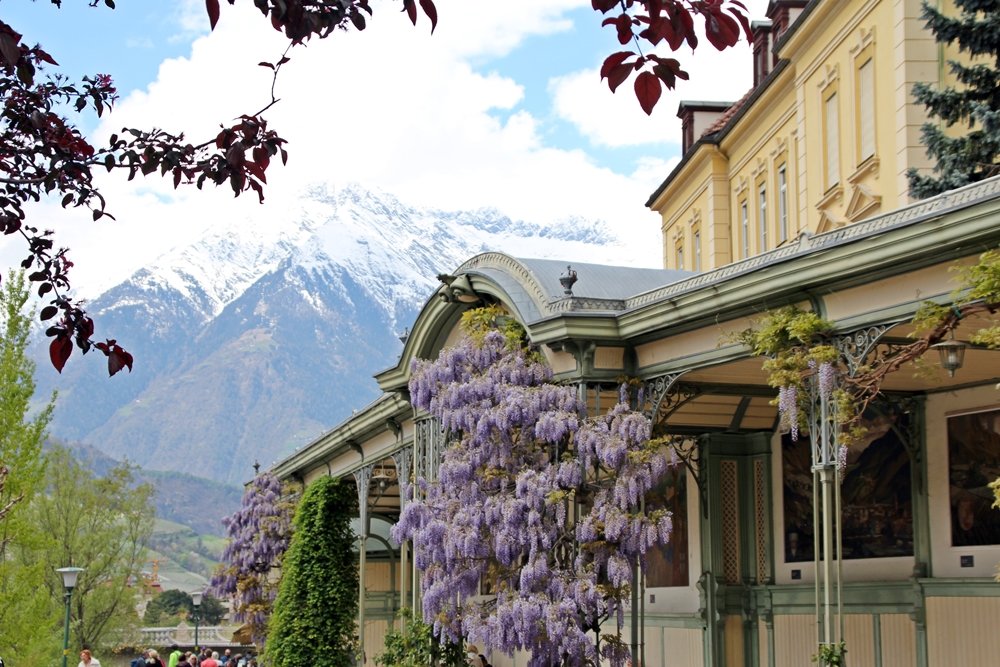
(394, 108)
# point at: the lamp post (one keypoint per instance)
(69, 575)
(196, 601)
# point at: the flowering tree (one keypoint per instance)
(534, 500)
(42, 153)
(259, 533)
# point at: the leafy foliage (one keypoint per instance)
(415, 645)
(650, 24)
(796, 345)
(314, 614)
(100, 524)
(971, 154)
(831, 655)
(534, 500)
(171, 606)
(259, 533)
(26, 618)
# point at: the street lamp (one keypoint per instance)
(196, 601)
(69, 575)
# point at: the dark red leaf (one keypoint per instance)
(410, 7)
(8, 47)
(721, 30)
(604, 6)
(213, 12)
(261, 157)
(59, 350)
(256, 170)
(118, 359)
(431, 11)
(264, 64)
(45, 57)
(48, 312)
(741, 16)
(618, 74)
(614, 60)
(647, 90)
(624, 25)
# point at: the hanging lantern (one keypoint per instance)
(952, 354)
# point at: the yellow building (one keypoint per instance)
(823, 139)
(795, 195)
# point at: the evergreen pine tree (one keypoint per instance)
(971, 156)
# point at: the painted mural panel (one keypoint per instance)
(668, 565)
(877, 506)
(973, 462)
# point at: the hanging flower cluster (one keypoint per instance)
(536, 504)
(259, 533)
(794, 343)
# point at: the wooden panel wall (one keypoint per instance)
(377, 577)
(899, 637)
(734, 641)
(794, 639)
(859, 631)
(963, 631)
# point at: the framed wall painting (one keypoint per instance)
(973, 462)
(876, 500)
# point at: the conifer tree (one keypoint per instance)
(963, 157)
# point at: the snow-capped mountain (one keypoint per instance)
(263, 334)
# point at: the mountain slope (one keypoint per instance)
(265, 333)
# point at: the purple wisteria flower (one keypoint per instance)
(536, 500)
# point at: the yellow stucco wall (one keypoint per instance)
(787, 126)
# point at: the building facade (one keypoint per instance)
(796, 195)
(823, 139)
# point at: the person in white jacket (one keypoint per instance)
(88, 660)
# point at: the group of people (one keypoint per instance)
(204, 658)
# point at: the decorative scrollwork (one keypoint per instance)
(363, 478)
(855, 347)
(402, 460)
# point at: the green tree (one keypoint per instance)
(313, 622)
(415, 645)
(171, 606)
(26, 618)
(969, 156)
(101, 524)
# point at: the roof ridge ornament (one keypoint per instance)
(567, 280)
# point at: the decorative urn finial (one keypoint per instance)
(567, 280)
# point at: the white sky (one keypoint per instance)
(501, 107)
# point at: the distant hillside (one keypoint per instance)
(193, 502)
(181, 558)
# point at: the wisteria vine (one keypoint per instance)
(536, 504)
(259, 533)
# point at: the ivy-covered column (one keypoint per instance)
(362, 478)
